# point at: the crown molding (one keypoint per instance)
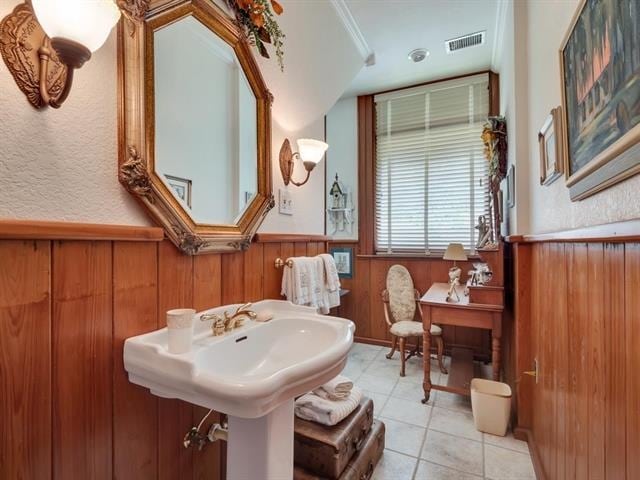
(501, 21)
(354, 31)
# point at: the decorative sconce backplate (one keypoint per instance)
(20, 40)
(286, 161)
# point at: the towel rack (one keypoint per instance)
(279, 263)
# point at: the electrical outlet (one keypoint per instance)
(285, 202)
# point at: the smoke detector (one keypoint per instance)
(466, 41)
(418, 55)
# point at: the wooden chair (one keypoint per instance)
(401, 300)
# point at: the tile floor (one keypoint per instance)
(437, 441)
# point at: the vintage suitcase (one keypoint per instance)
(326, 451)
(362, 465)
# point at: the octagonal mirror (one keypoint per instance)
(196, 126)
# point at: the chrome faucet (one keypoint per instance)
(229, 322)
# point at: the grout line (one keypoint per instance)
(424, 439)
(453, 469)
(484, 469)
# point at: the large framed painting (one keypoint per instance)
(600, 66)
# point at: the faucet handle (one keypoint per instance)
(243, 307)
(217, 327)
(210, 316)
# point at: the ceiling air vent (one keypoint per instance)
(466, 41)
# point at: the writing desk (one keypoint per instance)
(437, 310)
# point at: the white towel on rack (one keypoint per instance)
(332, 282)
(303, 282)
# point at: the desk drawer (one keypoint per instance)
(461, 317)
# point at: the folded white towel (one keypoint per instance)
(331, 293)
(337, 389)
(327, 412)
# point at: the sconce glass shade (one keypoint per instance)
(311, 150)
(87, 22)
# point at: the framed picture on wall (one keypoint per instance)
(182, 188)
(551, 152)
(600, 69)
(344, 261)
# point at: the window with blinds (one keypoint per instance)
(431, 173)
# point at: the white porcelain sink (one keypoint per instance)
(253, 372)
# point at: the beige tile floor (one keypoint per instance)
(437, 441)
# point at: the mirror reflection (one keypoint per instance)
(205, 123)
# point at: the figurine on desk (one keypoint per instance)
(455, 252)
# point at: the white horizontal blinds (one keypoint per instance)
(430, 170)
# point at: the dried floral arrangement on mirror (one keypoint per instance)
(257, 18)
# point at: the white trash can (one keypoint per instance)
(491, 405)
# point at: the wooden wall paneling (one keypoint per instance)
(207, 293)
(25, 359)
(273, 275)
(557, 337)
(596, 359)
(233, 278)
(300, 249)
(312, 249)
(632, 343)
(360, 297)
(82, 360)
(175, 418)
(614, 361)
(254, 273)
(377, 283)
(207, 281)
(523, 334)
(135, 409)
(579, 333)
(538, 425)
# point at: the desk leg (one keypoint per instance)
(495, 356)
(426, 361)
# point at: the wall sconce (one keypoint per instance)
(42, 47)
(309, 151)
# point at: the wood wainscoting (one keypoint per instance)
(66, 306)
(577, 312)
(363, 304)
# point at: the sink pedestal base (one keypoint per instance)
(261, 448)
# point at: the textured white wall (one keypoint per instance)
(62, 164)
(342, 135)
(549, 208)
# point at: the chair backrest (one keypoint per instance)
(402, 299)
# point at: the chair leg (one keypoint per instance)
(402, 357)
(418, 345)
(440, 347)
(394, 345)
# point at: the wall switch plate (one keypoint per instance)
(285, 203)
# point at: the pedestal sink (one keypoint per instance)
(252, 374)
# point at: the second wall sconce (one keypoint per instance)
(309, 151)
(43, 41)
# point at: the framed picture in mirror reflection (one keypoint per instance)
(181, 187)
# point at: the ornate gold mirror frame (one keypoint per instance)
(136, 128)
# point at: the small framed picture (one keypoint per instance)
(344, 261)
(181, 187)
(551, 149)
(511, 187)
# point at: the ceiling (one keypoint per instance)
(391, 29)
